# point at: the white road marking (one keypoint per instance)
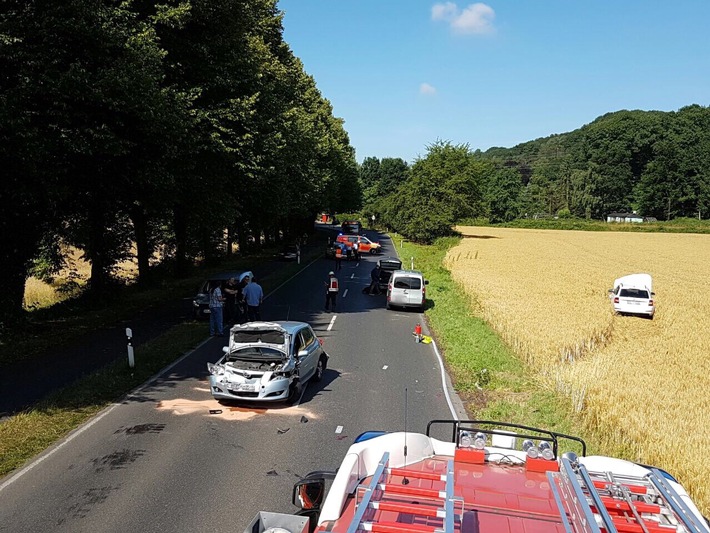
(352, 276)
(338, 430)
(384, 367)
(443, 382)
(81, 429)
(59, 447)
(332, 321)
(345, 293)
(289, 279)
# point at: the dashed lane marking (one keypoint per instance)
(332, 321)
(345, 293)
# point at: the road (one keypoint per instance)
(160, 461)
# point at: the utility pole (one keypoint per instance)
(668, 213)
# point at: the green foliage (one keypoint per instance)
(564, 213)
(653, 162)
(157, 125)
(503, 195)
(440, 189)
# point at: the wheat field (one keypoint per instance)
(639, 385)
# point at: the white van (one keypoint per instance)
(406, 288)
(633, 295)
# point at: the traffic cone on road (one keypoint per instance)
(418, 332)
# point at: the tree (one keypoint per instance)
(443, 187)
(503, 195)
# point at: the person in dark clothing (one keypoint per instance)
(375, 281)
(231, 291)
(331, 291)
(339, 253)
(241, 303)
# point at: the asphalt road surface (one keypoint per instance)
(161, 461)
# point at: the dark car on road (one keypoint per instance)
(201, 301)
(351, 227)
(387, 265)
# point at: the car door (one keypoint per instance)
(416, 291)
(307, 363)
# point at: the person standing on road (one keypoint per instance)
(231, 290)
(356, 251)
(338, 256)
(241, 304)
(375, 281)
(216, 304)
(331, 291)
(253, 295)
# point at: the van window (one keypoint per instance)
(633, 293)
(407, 282)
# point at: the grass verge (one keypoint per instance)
(490, 379)
(26, 434)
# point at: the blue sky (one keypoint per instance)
(404, 73)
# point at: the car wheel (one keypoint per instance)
(294, 393)
(320, 369)
(373, 251)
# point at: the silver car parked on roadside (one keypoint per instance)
(267, 361)
(407, 288)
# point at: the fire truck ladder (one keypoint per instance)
(375, 493)
(596, 502)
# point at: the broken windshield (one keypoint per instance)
(255, 353)
(269, 336)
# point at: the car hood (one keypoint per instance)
(259, 334)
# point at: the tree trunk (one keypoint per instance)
(95, 251)
(242, 238)
(230, 241)
(180, 228)
(13, 276)
(143, 248)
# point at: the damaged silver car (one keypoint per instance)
(267, 361)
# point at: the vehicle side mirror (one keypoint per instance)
(309, 493)
(653, 294)
(426, 282)
(302, 353)
(610, 291)
(225, 349)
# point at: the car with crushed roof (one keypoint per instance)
(633, 295)
(267, 362)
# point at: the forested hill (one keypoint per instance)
(656, 163)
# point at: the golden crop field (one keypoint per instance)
(640, 386)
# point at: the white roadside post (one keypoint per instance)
(131, 359)
(298, 254)
(412, 263)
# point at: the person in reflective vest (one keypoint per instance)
(331, 291)
(338, 256)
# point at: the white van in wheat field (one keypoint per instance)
(406, 288)
(633, 295)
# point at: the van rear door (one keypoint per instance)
(415, 293)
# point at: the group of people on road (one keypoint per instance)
(239, 302)
(332, 286)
